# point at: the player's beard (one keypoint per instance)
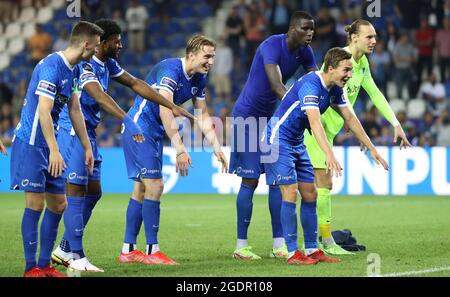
(111, 53)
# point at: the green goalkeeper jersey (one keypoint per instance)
(361, 77)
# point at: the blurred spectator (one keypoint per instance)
(385, 137)
(118, 18)
(104, 138)
(442, 129)
(354, 9)
(434, 93)
(443, 49)
(254, 28)
(137, 19)
(234, 29)
(162, 9)
(19, 96)
(326, 30)
(380, 62)
(9, 10)
(391, 37)
(311, 6)
(6, 94)
(408, 12)
(370, 124)
(424, 38)
(279, 18)
(426, 123)
(343, 21)
(39, 44)
(221, 71)
(62, 42)
(404, 56)
(92, 10)
(404, 121)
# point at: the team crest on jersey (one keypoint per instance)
(194, 90)
(47, 87)
(165, 81)
(310, 100)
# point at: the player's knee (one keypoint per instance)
(58, 206)
(36, 205)
(154, 188)
(310, 196)
(75, 190)
(250, 182)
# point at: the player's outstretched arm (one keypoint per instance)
(355, 125)
(110, 106)
(319, 134)
(56, 162)
(3, 148)
(171, 128)
(77, 119)
(206, 125)
(145, 91)
(275, 79)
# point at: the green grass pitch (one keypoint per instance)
(198, 231)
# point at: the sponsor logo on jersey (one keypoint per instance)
(170, 83)
(46, 86)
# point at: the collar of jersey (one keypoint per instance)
(65, 60)
(97, 60)
(319, 74)
(183, 64)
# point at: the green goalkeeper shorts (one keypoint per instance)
(317, 156)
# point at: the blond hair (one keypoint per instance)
(197, 42)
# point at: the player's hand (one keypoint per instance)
(56, 164)
(3, 149)
(134, 129)
(222, 159)
(183, 163)
(378, 159)
(399, 133)
(139, 138)
(179, 111)
(89, 160)
(333, 166)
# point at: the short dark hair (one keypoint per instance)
(84, 29)
(299, 15)
(334, 56)
(109, 27)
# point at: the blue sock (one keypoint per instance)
(289, 222)
(30, 221)
(150, 215)
(89, 203)
(73, 221)
(49, 231)
(134, 221)
(244, 206)
(308, 217)
(275, 210)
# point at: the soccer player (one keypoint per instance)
(276, 60)
(36, 162)
(178, 80)
(361, 42)
(288, 164)
(84, 189)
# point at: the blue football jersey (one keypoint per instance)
(289, 121)
(257, 98)
(54, 78)
(94, 71)
(169, 75)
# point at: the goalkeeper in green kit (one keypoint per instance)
(361, 41)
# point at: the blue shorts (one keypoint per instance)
(144, 160)
(73, 153)
(245, 156)
(291, 165)
(29, 169)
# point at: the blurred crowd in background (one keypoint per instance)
(410, 64)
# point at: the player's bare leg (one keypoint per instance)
(324, 184)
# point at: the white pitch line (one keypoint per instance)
(436, 269)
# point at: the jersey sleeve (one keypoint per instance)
(167, 79)
(200, 95)
(48, 81)
(338, 98)
(308, 59)
(114, 68)
(86, 74)
(376, 96)
(270, 52)
(309, 93)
